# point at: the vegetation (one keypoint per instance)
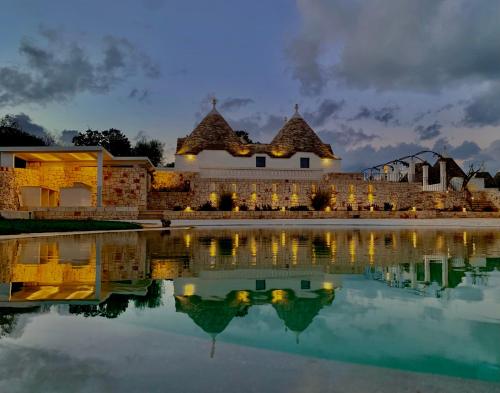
(119, 145)
(207, 207)
(152, 149)
(11, 134)
(13, 227)
(226, 202)
(320, 200)
(299, 208)
(244, 137)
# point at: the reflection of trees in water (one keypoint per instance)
(9, 318)
(117, 304)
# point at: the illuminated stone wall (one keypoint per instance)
(122, 186)
(347, 190)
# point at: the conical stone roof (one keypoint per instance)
(212, 133)
(297, 136)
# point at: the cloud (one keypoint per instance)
(230, 104)
(383, 115)
(383, 44)
(465, 150)
(66, 137)
(261, 127)
(306, 69)
(430, 132)
(139, 95)
(328, 109)
(26, 124)
(59, 70)
(484, 110)
(347, 136)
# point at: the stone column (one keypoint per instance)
(99, 177)
(444, 272)
(7, 160)
(442, 174)
(427, 270)
(425, 175)
(411, 171)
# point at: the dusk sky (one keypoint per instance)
(376, 78)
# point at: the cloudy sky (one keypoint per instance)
(375, 78)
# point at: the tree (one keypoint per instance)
(244, 137)
(153, 149)
(112, 140)
(12, 135)
(472, 171)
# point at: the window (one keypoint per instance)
(305, 284)
(304, 162)
(260, 285)
(260, 162)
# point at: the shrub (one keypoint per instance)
(349, 208)
(207, 207)
(388, 206)
(177, 208)
(243, 207)
(226, 202)
(320, 200)
(265, 208)
(299, 208)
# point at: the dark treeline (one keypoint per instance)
(113, 140)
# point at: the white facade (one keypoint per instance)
(221, 164)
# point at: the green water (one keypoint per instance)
(425, 301)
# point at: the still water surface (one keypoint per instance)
(424, 301)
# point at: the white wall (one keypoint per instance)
(221, 159)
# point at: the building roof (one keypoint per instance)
(297, 136)
(72, 154)
(214, 133)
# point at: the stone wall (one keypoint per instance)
(169, 180)
(85, 213)
(347, 190)
(122, 186)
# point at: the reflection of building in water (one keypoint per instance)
(214, 298)
(186, 253)
(71, 268)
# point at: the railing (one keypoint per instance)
(261, 174)
(394, 177)
(433, 187)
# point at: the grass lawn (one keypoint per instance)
(13, 227)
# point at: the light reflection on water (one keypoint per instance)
(425, 301)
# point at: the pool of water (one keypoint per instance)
(293, 309)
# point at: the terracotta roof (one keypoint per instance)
(213, 133)
(297, 136)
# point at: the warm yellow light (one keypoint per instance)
(283, 239)
(189, 289)
(237, 209)
(213, 248)
(213, 198)
(326, 161)
(414, 239)
(352, 250)
(371, 248)
(295, 251)
(274, 250)
(278, 296)
(464, 209)
(465, 238)
(277, 153)
(371, 208)
(253, 197)
(190, 157)
(187, 240)
(328, 285)
(243, 296)
(294, 200)
(414, 209)
(188, 209)
(328, 209)
(283, 208)
(371, 198)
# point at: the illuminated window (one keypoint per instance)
(260, 162)
(304, 162)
